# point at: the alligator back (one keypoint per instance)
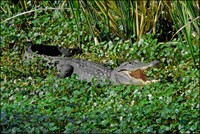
(67, 66)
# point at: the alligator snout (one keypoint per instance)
(133, 73)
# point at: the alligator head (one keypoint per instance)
(132, 73)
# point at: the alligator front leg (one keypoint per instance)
(65, 71)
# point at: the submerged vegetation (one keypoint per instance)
(34, 100)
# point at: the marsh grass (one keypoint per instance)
(34, 100)
(186, 20)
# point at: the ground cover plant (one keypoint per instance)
(34, 100)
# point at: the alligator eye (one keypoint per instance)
(56, 63)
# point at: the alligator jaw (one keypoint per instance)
(138, 76)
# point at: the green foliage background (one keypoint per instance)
(34, 100)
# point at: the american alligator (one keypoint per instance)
(127, 73)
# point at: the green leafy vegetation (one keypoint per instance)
(34, 100)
